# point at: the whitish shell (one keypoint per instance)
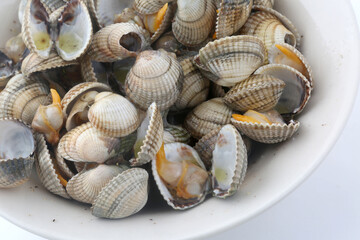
(155, 77)
(87, 69)
(206, 117)
(149, 137)
(107, 9)
(166, 23)
(63, 165)
(174, 133)
(6, 69)
(47, 169)
(206, 145)
(267, 133)
(86, 185)
(149, 6)
(265, 3)
(258, 92)
(52, 5)
(177, 203)
(33, 63)
(195, 89)
(17, 146)
(86, 144)
(14, 48)
(125, 195)
(118, 41)
(76, 92)
(194, 21)
(113, 115)
(229, 162)
(278, 57)
(297, 91)
(233, 59)
(231, 16)
(21, 98)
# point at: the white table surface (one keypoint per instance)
(325, 206)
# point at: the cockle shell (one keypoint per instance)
(113, 115)
(155, 77)
(17, 146)
(167, 42)
(149, 6)
(231, 16)
(52, 5)
(15, 48)
(87, 69)
(229, 162)
(47, 169)
(258, 92)
(195, 88)
(194, 21)
(297, 91)
(267, 133)
(123, 196)
(206, 145)
(149, 137)
(206, 117)
(86, 185)
(118, 41)
(265, 3)
(21, 98)
(232, 59)
(107, 9)
(174, 133)
(63, 165)
(86, 144)
(6, 69)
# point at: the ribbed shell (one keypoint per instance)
(194, 21)
(205, 147)
(195, 89)
(177, 203)
(206, 117)
(21, 98)
(125, 195)
(217, 91)
(87, 69)
(33, 63)
(15, 171)
(259, 92)
(233, 59)
(234, 164)
(149, 6)
(86, 144)
(86, 185)
(264, 3)
(52, 5)
(76, 92)
(153, 138)
(63, 166)
(113, 115)
(155, 77)
(305, 67)
(166, 23)
(46, 168)
(174, 133)
(266, 133)
(297, 91)
(232, 16)
(118, 41)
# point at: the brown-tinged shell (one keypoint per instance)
(17, 147)
(149, 6)
(267, 133)
(205, 147)
(166, 23)
(21, 98)
(118, 41)
(155, 77)
(87, 184)
(113, 115)
(149, 137)
(258, 92)
(232, 59)
(63, 165)
(107, 9)
(194, 21)
(265, 3)
(174, 133)
(15, 48)
(47, 168)
(52, 5)
(123, 196)
(206, 117)
(231, 16)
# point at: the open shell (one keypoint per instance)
(206, 117)
(149, 137)
(149, 6)
(123, 196)
(258, 92)
(206, 145)
(155, 77)
(194, 21)
(17, 147)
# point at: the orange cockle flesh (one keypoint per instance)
(152, 22)
(295, 61)
(252, 116)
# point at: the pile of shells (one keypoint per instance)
(102, 95)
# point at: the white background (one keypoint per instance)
(325, 206)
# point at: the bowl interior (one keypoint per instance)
(330, 38)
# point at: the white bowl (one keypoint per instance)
(331, 44)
